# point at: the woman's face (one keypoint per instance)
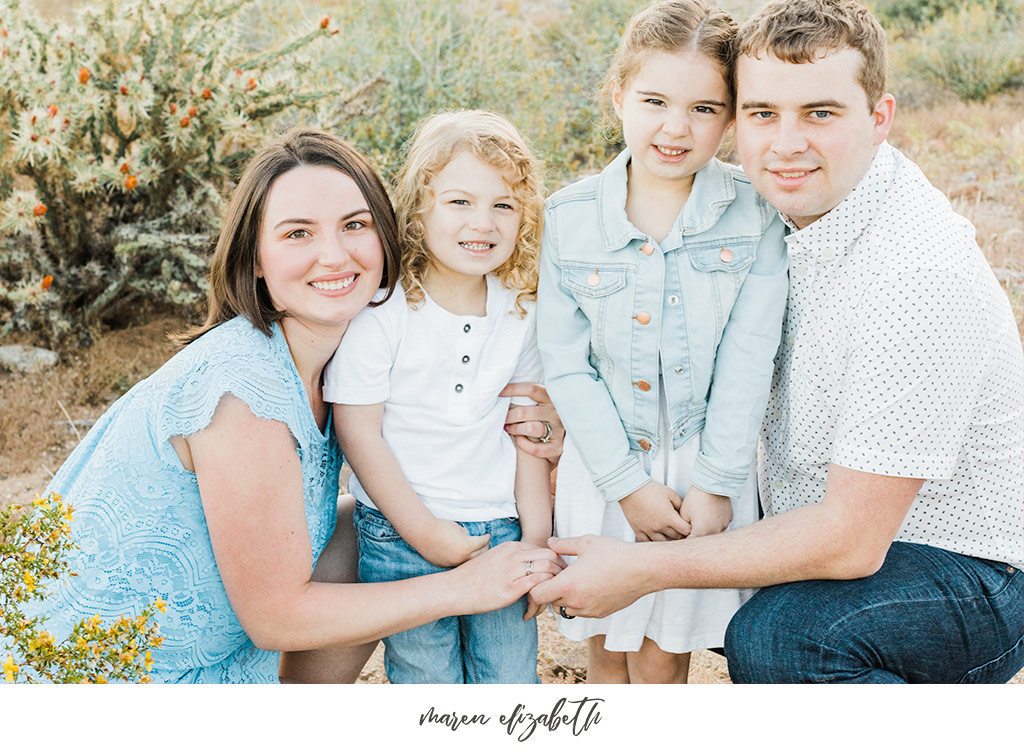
(319, 254)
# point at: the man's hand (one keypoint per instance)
(653, 513)
(706, 513)
(607, 576)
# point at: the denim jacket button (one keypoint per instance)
(593, 279)
(679, 369)
(644, 445)
(673, 300)
(647, 249)
(643, 385)
(726, 255)
(643, 318)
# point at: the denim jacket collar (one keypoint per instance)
(833, 234)
(713, 190)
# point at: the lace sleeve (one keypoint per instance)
(237, 360)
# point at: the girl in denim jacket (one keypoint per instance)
(662, 289)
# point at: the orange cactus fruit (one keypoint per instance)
(193, 111)
(131, 182)
(125, 168)
(51, 110)
(123, 89)
(207, 94)
(324, 22)
(184, 122)
(39, 210)
(83, 75)
(251, 84)
(47, 282)
(173, 107)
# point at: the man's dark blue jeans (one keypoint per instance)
(927, 616)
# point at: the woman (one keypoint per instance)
(212, 485)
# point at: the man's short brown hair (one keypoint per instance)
(801, 31)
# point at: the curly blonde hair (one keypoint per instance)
(493, 140)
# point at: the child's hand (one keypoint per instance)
(533, 608)
(653, 513)
(447, 544)
(707, 513)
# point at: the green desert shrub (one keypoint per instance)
(119, 135)
(970, 51)
(974, 51)
(539, 66)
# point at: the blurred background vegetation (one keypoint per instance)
(369, 70)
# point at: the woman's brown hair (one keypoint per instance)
(234, 287)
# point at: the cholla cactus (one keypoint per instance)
(119, 135)
(34, 541)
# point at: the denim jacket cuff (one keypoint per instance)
(627, 478)
(716, 480)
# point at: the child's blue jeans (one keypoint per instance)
(927, 616)
(495, 647)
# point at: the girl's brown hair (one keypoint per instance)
(234, 287)
(493, 140)
(670, 26)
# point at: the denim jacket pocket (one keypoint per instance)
(593, 282)
(723, 256)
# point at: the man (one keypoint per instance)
(891, 468)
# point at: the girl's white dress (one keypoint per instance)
(678, 620)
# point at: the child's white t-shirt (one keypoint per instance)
(438, 375)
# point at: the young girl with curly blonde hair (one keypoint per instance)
(416, 385)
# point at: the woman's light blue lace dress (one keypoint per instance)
(139, 521)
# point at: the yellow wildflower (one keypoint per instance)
(101, 679)
(160, 605)
(149, 660)
(30, 581)
(10, 669)
(93, 622)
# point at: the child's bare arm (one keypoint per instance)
(533, 497)
(533, 503)
(707, 513)
(443, 543)
(653, 513)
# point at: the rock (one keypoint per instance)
(26, 358)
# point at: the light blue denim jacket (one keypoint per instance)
(704, 309)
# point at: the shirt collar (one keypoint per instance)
(834, 233)
(713, 190)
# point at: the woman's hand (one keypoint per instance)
(537, 429)
(653, 513)
(498, 577)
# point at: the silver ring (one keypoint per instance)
(547, 432)
(529, 567)
(561, 611)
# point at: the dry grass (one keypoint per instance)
(34, 431)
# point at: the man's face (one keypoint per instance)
(805, 132)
